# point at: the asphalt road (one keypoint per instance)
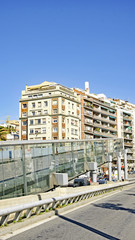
(110, 218)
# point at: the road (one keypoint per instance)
(109, 218)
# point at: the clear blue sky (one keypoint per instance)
(69, 42)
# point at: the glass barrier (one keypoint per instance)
(26, 167)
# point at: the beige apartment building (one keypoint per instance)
(52, 111)
(49, 111)
(98, 116)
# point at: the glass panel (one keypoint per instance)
(26, 168)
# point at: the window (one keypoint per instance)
(69, 112)
(43, 130)
(31, 122)
(55, 102)
(45, 112)
(39, 112)
(39, 121)
(55, 129)
(24, 123)
(45, 103)
(39, 104)
(23, 132)
(54, 110)
(37, 130)
(76, 131)
(30, 96)
(54, 120)
(24, 105)
(72, 122)
(24, 114)
(63, 120)
(40, 95)
(72, 106)
(33, 113)
(31, 131)
(72, 131)
(33, 105)
(35, 96)
(63, 102)
(63, 129)
(44, 120)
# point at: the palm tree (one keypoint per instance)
(3, 132)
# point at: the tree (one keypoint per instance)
(3, 132)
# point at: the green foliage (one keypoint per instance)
(3, 132)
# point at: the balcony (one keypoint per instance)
(127, 138)
(103, 134)
(88, 105)
(127, 131)
(127, 118)
(105, 127)
(103, 112)
(89, 123)
(88, 115)
(128, 144)
(104, 119)
(88, 131)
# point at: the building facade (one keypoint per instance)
(98, 116)
(49, 111)
(126, 128)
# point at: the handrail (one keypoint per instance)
(29, 142)
(43, 205)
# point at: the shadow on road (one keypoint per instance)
(113, 206)
(131, 194)
(107, 236)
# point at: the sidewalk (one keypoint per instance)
(59, 191)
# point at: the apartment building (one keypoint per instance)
(49, 111)
(126, 127)
(98, 116)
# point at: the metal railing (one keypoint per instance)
(13, 214)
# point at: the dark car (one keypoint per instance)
(81, 182)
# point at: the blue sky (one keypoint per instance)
(69, 42)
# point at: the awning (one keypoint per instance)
(112, 117)
(105, 108)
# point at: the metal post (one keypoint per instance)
(85, 157)
(94, 176)
(119, 165)
(73, 162)
(54, 160)
(110, 167)
(24, 171)
(125, 165)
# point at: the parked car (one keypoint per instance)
(81, 182)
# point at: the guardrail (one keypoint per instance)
(14, 214)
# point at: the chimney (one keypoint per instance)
(87, 87)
